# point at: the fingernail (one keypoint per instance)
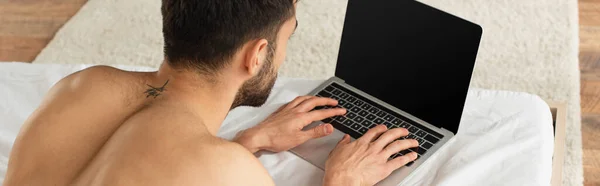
(414, 155)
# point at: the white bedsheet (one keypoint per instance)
(505, 138)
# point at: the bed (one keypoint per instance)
(505, 138)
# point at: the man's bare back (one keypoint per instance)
(120, 137)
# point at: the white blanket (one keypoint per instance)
(505, 138)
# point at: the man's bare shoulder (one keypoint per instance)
(96, 78)
(98, 84)
(229, 163)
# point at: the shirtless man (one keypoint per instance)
(105, 126)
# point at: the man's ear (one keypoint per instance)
(255, 56)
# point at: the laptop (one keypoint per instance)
(404, 64)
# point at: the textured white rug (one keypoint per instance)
(528, 45)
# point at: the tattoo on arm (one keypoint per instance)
(155, 92)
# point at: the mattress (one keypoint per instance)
(505, 138)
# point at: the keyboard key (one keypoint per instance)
(392, 156)
(421, 141)
(363, 130)
(405, 152)
(341, 101)
(365, 106)
(355, 110)
(359, 102)
(400, 154)
(340, 119)
(426, 145)
(389, 125)
(356, 126)
(367, 123)
(389, 118)
(421, 151)
(381, 114)
(374, 110)
(421, 133)
(414, 149)
(372, 126)
(329, 88)
(396, 121)
(359, 119)
(348, 122)
(351, 115)
(379, 120)
(348, 106)
(411, 136)
(413, 129)
(325, 94)
(327, 120)
(319, 108)
(404, 125)
(351, 99)
(371, 117)
(336, 92)
(431, 138)
(344, 96)
(363, 113)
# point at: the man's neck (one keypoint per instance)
(209, 98)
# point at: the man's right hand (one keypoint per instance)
(365, 160)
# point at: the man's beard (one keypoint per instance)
(255, 91)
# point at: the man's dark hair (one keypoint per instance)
(205, 34)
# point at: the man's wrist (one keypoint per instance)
(339, 179)
(250, 140)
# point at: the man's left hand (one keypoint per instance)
(282, 130)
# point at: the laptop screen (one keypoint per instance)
(410, 55)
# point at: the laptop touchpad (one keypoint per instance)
(316, 151)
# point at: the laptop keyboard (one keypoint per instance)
(363, 114)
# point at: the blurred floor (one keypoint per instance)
(28, 25)
(589, 21)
